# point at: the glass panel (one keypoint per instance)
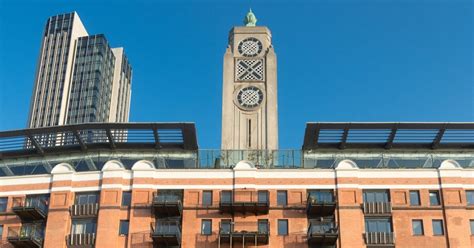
(262, 196)
(415, 198)
(472, 226)
(469, 196)
(126, 198)
(369, 197)
(1, 230)
(225, 226)
(434, 198)
(382, 226)
(378, 225)
(3, 204)
(322, 196)
(282, 198)
(417, 226)
(438, 227)
(83, 226)
(81, 199)
(226, 196)
(123, 229)
(376, 196)
(207, 198)
(282, 227)
(206, 228)
(262, 226)
(87, 198)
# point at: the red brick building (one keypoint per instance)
(156, 189)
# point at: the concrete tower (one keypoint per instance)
(249, 104)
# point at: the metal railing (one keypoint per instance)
(226, 159)
(166, 228)
(244, 196)
(38, 203)
(33, 232)
(319, 228)
(379, 238)
(78, 210)
(321, 199)
(167, 198)
(228, 227)
(82, 239)
(377, 208)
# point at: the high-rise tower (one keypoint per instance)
(249, 104)
(79, 78)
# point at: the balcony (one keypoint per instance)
(166, 233)
(26, 236)
(31, 209)
(322, 233)
(377, 208)
(84, 210)
(244, 202)
(320, 205)
(380, 239)
(250, 233)
(167, 205)
(82, 240)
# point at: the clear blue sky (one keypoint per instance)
(338, 60)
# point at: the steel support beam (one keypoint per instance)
(79, 140)
(438, 138)
(38, 147)
(111, 139)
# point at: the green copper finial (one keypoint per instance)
(250, 20)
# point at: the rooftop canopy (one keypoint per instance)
(389, 135)
(83, 137)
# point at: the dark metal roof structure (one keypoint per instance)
(389, 135)
(87, 136)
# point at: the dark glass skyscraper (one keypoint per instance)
(79, 77)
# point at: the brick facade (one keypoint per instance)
(146, 183)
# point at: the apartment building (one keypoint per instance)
(157, 189)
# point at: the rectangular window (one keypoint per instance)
(471, 222)
(262, 196)
(123, 228)
(282, 198)
(87, 198)
(434, 197)
(417, 227)
(376, 196)
(226, 196)
(470, 197)
(378, 225)
(1, 230)
(263, 226)
(84, 226)
(3, 204)
(126, 199)
(206, 227)
(226, 226)
(207, 198)
(414, 198)
(438, 227)
(282, 227)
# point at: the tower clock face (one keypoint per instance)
(249, 97)
(250, 47)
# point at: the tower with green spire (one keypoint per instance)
(249, 92)
(250, 20)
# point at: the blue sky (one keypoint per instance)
(341, 60)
